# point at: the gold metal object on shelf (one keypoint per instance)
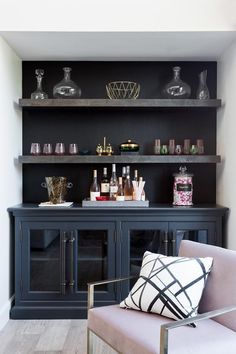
(106, 149)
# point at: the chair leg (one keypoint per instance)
(89, 342)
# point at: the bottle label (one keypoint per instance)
(105, 187)
(93, 195)
(120, 198)
(113, 189)
(184, 187)
(128, 197)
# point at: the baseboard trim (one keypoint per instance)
(5, 312)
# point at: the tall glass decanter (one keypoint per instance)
(38, 94)
(176, 88)
(202, 91)
(66, 88)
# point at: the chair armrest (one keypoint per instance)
(92, 285)
(165, 327)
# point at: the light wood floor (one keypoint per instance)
(47, 337)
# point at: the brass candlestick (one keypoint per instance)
(106, 149)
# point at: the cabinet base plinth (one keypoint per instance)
(47, 313)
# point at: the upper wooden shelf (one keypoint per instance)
(126, 103)
(141, 159)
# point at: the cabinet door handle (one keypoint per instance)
(63, 263)
(71, 251)
(165, 241)
(173, 241)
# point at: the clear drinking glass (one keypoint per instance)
(38, 93)
(35, 149)
(60, 149)
(73, 149)
(47, 149)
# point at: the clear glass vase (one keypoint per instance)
(38, 94)
(202, 91)
(176, 88)
(66, 88)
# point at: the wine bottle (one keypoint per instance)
(128, 189)
(113, 183)
(95, 188)
(105, 185)
(120, 192)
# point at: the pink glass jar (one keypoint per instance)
(183, 188)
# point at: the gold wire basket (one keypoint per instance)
(123, 89)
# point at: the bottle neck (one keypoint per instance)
(94, 176)
(39, 83)
(176, 73)
(66, 74)
(104, 173)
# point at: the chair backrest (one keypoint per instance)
(220, 290)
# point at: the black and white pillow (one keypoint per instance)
(169, 286)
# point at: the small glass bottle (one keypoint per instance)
(113, 183)
(176, 88)
(38, 94)
(66, 88)
(95, 188)
(120, 192)
(105, 185)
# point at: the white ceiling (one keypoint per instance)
(119, 45)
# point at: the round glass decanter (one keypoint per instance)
(66, 88)
(176, 88)
(38, 94)
(202, 91)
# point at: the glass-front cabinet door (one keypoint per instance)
(203, 232)
(58, 262)
(95, 258)
(137, 238)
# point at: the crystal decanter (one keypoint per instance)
(176, 88)
(38, 93)
(66, 88)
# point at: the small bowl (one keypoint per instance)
(123, 90)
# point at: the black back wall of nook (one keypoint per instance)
(87, 127)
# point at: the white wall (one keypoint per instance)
(10, 176)
(226, 138)
(118, 15)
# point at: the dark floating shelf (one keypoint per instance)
(125, 103)
(141, 159)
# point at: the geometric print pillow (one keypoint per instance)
(169, 286)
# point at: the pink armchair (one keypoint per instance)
(135, 332)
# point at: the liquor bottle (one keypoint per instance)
(105, 185)
(120, 192)
(128, 188)
(95, 188)
(143, 195)
(113, 183)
